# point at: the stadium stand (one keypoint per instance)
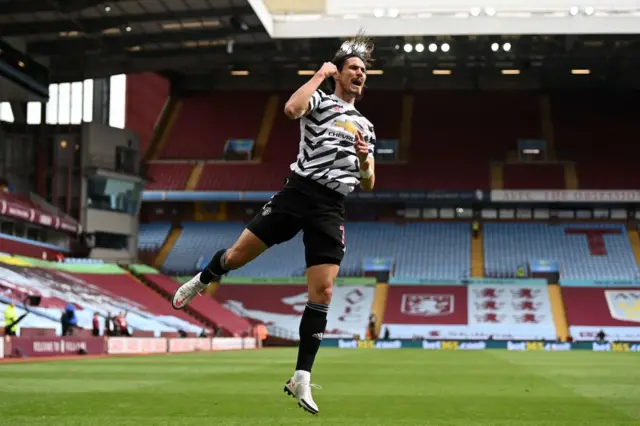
(443, 142)
(585, 120)
(533, 176)
(168, 176)
(438, 250)
(475, 311)
(584, 251)
(281, 306)
(207, 121)
(152, 235)
(108, 290)
(91, 288)
(205, 307)
(590, 310)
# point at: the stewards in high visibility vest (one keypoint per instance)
(10, 320)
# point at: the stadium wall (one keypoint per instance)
(23, 247)
(146, 95)
(25, 347)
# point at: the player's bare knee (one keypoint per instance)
(321, 292)
(234, 259)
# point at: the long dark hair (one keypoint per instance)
(360, 47)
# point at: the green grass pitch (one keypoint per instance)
(360, 387)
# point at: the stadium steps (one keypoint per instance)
(477, 256)
(194, 176)
(380, 304)
(634, 239)
(547, 125)
(163, 128)
(570, 176)
(167, 246)
(188, 310)
(497, 178)
(265, 127)
(558, 312)
(405, 130)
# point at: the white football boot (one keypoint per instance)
(187, 291)
(300, 388)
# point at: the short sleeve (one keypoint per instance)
(315, 100)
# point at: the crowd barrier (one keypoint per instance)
(600, 283)
(455, 345)
(59, 346)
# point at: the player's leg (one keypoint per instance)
(324, 246)
(274, 224)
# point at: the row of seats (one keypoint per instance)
(434, 250)
(419, 249)
(248, 177)
(450, 131)
(152, 235)
(579, 251)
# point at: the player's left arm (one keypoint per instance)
(367, 163)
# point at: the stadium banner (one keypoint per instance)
(615, 347)
(590, 333)
(599, 283)
(296, 281)
(480, 345)
(233, 343)
(28, 214)
(523, 311)
(436, 195)
(564, 196)
(136, 345)
(54, 346)
(471, 332)
(262, 196)
(466, 281)
(189, 344)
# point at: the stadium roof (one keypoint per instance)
(225, 44)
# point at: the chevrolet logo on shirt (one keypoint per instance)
(348, 126)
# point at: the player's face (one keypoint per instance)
(353, 76)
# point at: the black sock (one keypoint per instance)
(312, 326)
(214, 269)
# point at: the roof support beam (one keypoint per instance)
(31, 6)
(94, 25)
(113, 44)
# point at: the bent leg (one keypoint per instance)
(246, 248)
(274, 224)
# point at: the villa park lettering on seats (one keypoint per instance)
(568, 196)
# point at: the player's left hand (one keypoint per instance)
(362, 148)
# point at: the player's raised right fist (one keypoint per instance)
(328, 70)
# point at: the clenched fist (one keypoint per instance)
(327, 70)
(362, 147)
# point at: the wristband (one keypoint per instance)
(366, 174)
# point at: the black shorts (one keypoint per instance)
(304, 205)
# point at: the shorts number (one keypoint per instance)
(342, 231)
